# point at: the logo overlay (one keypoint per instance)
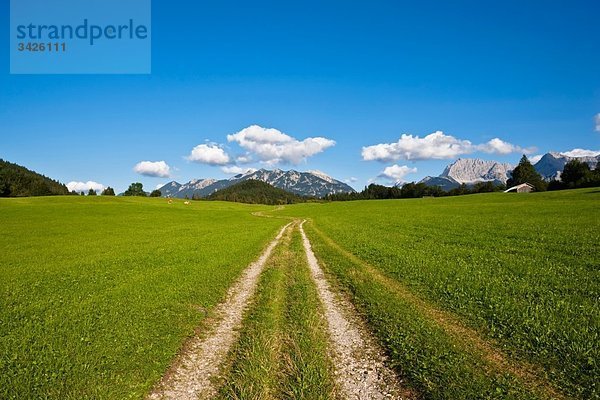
(80, 36)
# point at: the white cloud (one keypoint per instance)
(272, 146)
(409, 147)
(85, 186)
(244, 159)
(397, 173)
(499, 146)
(234, 170)
(436, 145)
(210, 154)
(597, 122)
(351, 180)
(535, 159)
(158, 169)
(581, 153)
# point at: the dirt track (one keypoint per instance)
(359, 362)
(361, 372)
(192, 373)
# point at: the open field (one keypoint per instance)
(97, 294)
(482, 296)
(486, 295)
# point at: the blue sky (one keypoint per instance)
(355, 73)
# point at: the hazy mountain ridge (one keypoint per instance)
(312, 183)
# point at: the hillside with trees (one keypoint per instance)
(255, 192)
(18, 181)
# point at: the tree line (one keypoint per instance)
(135, 189)
(576, 174)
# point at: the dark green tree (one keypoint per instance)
(156, 193)
(108, 192)
(575, 174)
(555, 185)
(135, 189)
(461, 190)
(91, 192)
(484, 187)
(4, 189)
(596, 175)
(526, 173)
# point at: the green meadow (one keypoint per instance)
(442, 279)
(98, 293)
(481, 296)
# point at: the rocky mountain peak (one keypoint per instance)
(472, 170)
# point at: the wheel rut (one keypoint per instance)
(360, 362)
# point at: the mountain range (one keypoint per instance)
(310, 183)
(470, 171)
(552, 164)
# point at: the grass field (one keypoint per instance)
(282, 353)
(442, 279)
(97, 294)
(481, 296)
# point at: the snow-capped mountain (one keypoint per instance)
(312, 183)
(171, 187)
(322, 175)
(470, 171)
(175, 189)
(551, 164)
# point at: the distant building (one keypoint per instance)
(522, 188)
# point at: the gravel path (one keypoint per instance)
(360, 369)
(191, 376)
